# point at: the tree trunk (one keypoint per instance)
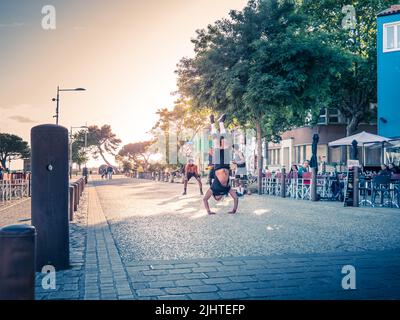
(259, 155)
(352, 126)
(104, 158)
(4, 163)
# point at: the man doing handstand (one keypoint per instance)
(220, 186)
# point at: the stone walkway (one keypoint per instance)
(105, 276)
(316, 276)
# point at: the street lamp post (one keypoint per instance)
(57, 100)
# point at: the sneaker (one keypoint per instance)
(222, 118)
(212, 119)
(184, 193)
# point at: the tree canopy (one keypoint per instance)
(356, 87)
(136, 152)
(263, 67)
(100, 141)
(12, 147)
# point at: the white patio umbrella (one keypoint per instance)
(363, 138)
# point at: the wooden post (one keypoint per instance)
(283, 183)
(314, 184)
(356, 185)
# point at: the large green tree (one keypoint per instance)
(261, 66)
(100, 141)
(356, 88)
(12, 147)
(79, 154)
(137, 153)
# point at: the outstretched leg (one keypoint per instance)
(200, 185)
(185, 181)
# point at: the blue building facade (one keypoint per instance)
(389, 72)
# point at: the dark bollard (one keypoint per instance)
(50, 190)
(314, 196)
(80, 183)
(356, 186)
(283, 183)
(77, 191)
(76, 196)
(17, 262)
(71, 203)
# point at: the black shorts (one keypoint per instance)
(191, 175)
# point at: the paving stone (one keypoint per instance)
(150, 292)
(242, 279)
(232, 295)
(161, 284)
(178, 290)
(185, 283)
(231, 286)
(204, 269)
(204, 296)
(195, 276)
(180, 271)
(173, 297)
(203, 288)
(216, 280)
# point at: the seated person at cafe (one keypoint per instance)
(304, 168)
(385, 171)
(293, 170)
(393, 168)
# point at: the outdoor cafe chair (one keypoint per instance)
(382, 187)
(396, 186)
(5, 190)
(268, 183)
(304, 189)
(277, 184)
(292, 185)
(365, 189)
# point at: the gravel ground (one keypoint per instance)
(152, 221)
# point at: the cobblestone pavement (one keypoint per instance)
(171, 249)
(70, 284)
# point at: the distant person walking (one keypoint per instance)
(191, 171)
(1, 172)
(85, 174)
(110, 171)
(103, 172)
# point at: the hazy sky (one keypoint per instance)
(124, 52)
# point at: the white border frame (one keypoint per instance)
(396, 36)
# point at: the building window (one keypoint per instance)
(333, 115)
(335, 155)
(391, 37)
(322, 117)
